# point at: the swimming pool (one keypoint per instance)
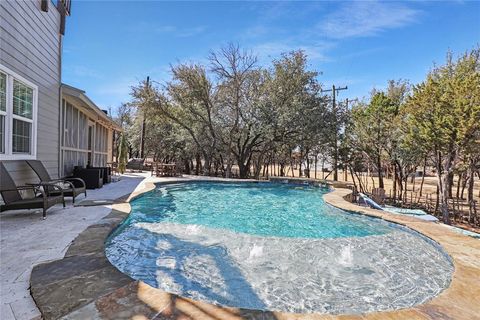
(274, 247)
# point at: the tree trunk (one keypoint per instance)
(228, 169)
(444, 180)
(300, 164)
(243, 170)
(353, 179)
(308, 166)
(464, 185)
(444, 196)
(414, 178)
(459, 184)
(362, 189)
(293, 172)
(380, 173)
(471, 171)
(371, 177)
(399, 179)
(258, 166)
(198, 164)
(423, 175)
(207, 166)
(394, 192)
(323, 168)
(450, 185)
(186, 163)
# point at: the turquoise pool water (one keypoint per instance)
(276, 247)
(265, 209)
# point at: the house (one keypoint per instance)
(87, 133)
(39, 117)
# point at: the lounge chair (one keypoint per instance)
(75, 187)
(13, 199)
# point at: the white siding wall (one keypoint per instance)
(30, 45)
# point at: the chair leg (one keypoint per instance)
(44, 216)
(64, 202)
(73, 199)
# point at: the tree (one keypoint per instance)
(371, 128)
(444, 116)
(123, 154)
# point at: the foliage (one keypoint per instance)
(234, 112)
(444, 116)
(231, 113)
(122, 157)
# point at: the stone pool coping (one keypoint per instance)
(84, 285)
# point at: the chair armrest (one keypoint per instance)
(49, 184)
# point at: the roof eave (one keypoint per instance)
(80, 94)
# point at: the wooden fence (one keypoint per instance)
(461, 210)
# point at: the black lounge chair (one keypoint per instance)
(13, 199)
(75, 187)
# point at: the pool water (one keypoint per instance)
(275, 247)
(264, 209)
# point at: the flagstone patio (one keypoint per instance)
(27, 240)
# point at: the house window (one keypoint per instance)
(18, 113)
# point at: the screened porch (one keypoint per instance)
(87, 132)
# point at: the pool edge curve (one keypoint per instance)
(110, 286)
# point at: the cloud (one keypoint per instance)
(275, 49)
(255, 31)
(366, 18)
(83, 71)
(172, 30)
(318, 36)
(180, 32)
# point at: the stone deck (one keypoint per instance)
(84, 285)
(27, 240)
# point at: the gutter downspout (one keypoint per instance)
(60, 113)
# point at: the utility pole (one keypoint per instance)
(142, 136)
(335, 123)
(347, 101)
(345, 173)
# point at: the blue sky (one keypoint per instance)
(110, 46)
